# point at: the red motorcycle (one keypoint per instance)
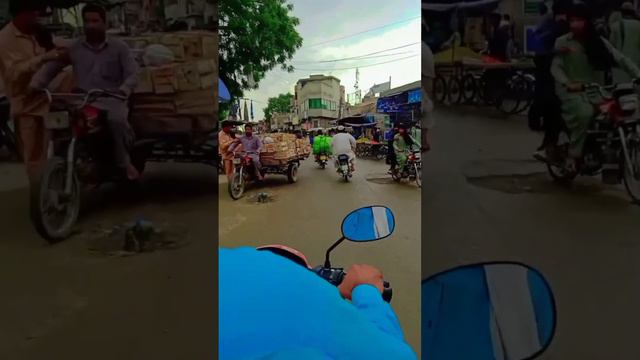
(612, 148)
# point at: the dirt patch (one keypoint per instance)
(135, 238)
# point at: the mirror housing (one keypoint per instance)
(497, 310)
(370, 223)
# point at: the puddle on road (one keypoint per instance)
(520, 177)
(261, 198)
(382, 179)
(117, 241)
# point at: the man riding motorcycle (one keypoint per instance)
(582, 57)
(402, 143)
(101, 62)
(344, 143)
(321, 145)
(260, 318)
(251, 147)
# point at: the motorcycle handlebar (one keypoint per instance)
(336, 275)
(92, 94)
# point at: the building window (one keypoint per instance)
(315, 103)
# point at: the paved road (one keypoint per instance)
(307, 216)
(66, 302)
(484, 200)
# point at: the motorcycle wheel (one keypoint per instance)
(418, 175)
(236, 186)
(346, 176)
(632, 181)
(52, 215)
(292, 173)
(323, 165)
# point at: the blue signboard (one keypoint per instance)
(415, 96)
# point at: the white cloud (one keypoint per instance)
(401, 72)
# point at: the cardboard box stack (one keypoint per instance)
(284, 148)
(178, 97)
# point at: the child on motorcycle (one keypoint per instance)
(582, 57)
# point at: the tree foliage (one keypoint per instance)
(255, 37)
(281, 103)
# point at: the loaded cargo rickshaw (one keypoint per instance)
(281, 154)
(172, 111)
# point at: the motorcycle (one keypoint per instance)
(366, 224)
(507, 308)
(8, 137)
(412, 170)
(245, 172)
(344, 167)
(77, 143)
(322, 160)
(612, 148)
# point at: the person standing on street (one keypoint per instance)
(391, 155)
(545, 113)
(225, 140)
(21, 57)
(428, 75)
(625, 36)
(102, 62)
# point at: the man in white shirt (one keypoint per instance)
(344, 143)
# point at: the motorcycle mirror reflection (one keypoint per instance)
(368, 224)
(487, 311)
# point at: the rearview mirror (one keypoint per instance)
(368, 224)
(487, 311)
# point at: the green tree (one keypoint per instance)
(282, 103)
(255, 37)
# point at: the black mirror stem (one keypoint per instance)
(327, 263)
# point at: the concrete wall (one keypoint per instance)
(318, 87)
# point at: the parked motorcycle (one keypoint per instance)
(412, 169)
(8, 137)
(362, 225)
(498, 310)
(322, 160)
(344, 167)
(612, 148)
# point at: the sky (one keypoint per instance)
(332, 23)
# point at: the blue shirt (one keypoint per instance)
(272, 308)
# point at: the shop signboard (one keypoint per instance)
(415, 96)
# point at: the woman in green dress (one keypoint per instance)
(583, 57)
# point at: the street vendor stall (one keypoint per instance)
(363, 127)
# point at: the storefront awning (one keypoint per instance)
(356, 121)
(223, 92)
